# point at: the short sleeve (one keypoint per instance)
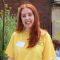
(49, 51)
(10, 48)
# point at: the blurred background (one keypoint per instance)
(49, 13)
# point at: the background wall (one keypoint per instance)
(43, 7)
(56, 22)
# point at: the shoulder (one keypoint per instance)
(15, 33)
(45, 36)
(43, 32)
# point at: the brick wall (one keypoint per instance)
(43, 8)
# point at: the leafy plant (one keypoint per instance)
(9, 27)
(1, 29)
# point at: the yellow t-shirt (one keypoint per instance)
(44, 50)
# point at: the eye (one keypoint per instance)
(23, 15)
(29, 14)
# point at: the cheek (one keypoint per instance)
(32, 19)
(22, 19)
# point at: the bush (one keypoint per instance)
(9, 27)
(1, 37)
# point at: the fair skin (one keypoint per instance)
(27, 18)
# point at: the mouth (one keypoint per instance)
(27, 22)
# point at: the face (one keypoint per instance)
(27, 17)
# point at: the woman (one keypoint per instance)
(29, 41)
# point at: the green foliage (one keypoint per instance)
(9, 27)
(1, 29)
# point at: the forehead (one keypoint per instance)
(26, 10)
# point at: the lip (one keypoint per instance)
(27, 22)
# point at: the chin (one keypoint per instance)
(28, 27)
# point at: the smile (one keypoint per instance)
(27, 22)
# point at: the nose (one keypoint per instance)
(27, 17)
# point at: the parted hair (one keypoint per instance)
(34, 34)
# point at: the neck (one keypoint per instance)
(27, 29)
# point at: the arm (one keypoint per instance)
(10, 48)
(48, 52)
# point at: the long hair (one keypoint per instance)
(34, 34)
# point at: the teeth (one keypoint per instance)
(27, 22)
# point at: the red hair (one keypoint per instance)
(34, 34)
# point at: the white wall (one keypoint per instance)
(56, 22)
(56, 0)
